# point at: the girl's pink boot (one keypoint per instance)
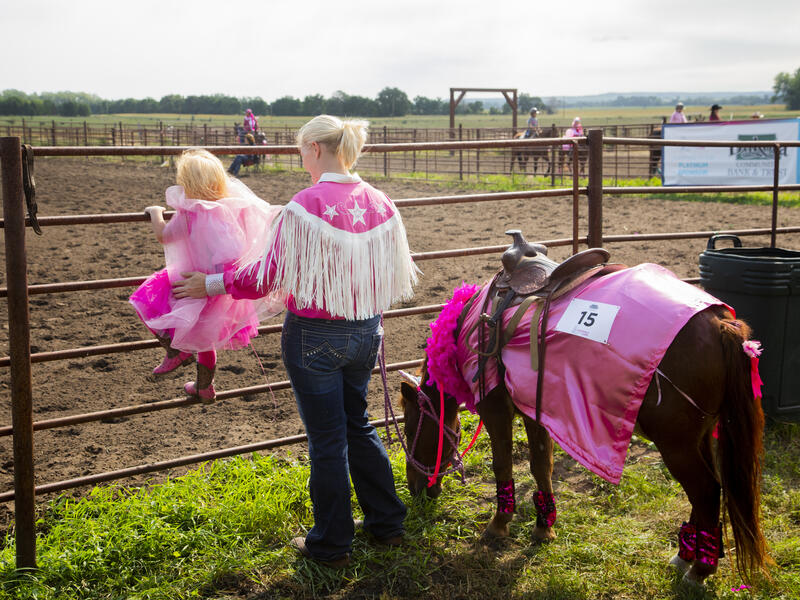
(170, 363)
(203, 388)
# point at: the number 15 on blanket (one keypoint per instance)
(587, 319)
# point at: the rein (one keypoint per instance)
(425, 404)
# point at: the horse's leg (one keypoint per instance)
(497, 412)
(683, 437)
(540, 447)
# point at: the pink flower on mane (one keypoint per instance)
(443, 369)
(752, 348)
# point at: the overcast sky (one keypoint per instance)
(272, 48)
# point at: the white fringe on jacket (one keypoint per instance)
(350, 275)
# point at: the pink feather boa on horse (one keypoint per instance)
(443, 367)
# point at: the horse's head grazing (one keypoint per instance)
(421, 407)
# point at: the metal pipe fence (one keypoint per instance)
(17, 291)
(467, 163)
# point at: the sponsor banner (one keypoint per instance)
(698, 165)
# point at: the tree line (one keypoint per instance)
(654, 101)
(390, 102)
(787, 88)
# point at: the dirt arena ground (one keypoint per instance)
(71, 320)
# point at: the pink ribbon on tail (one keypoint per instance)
(753, 349)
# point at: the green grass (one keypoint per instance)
(221, 531)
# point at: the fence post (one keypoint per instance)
(477, 154)
(460, 154)
(85, 134)
(595, 188)
(775, 181)
(553, 155)
(414, 155)
(385, 155)
(19, 340)
(54, 133)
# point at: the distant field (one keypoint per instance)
(589, 116)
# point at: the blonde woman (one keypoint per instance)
(340, 253)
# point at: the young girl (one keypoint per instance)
(218, 223)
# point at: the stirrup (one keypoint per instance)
(170, 363)
(206, 395)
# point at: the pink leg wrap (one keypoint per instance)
(207, 359)
(687, 542)
(709, 546)
(505, 496)
(545, 509)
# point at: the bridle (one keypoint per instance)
(454, 463)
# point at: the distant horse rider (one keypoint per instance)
(533, 125)
(575, 130)
(678, 116)
(250, 122)
(714, 116)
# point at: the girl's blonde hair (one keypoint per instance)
(344, 138)
(202, 175)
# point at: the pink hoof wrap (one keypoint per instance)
(709, 546)
(505, 496)
(545, 509)
(687, 542)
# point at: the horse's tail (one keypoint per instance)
(741, 429)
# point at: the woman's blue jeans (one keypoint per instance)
(329, 363)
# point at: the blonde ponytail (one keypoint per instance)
(345, 139)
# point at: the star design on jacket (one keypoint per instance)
(358, 213)
(330, 212)
(381, 210)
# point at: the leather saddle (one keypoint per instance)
(529, 276)
(527, 269)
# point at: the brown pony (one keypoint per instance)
(707, 362)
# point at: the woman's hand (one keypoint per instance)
(194, 286)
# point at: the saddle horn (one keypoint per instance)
(519, 249)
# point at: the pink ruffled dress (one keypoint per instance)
(208, 236)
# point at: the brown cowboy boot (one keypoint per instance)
(203, 388)
(173, 359)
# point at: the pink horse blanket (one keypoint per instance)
(604, 341)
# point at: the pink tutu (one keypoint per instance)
(208, 236)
